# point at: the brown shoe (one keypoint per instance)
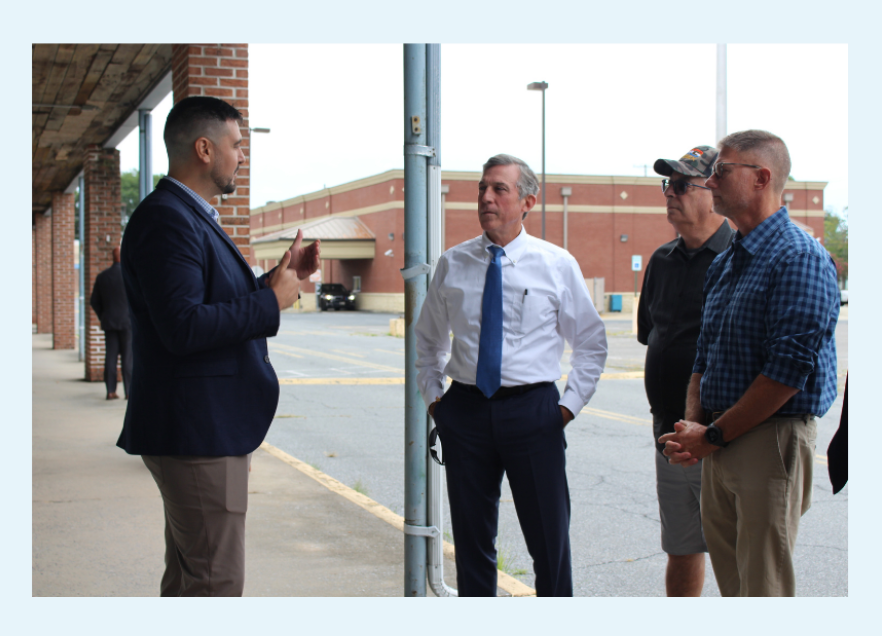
(112, 396)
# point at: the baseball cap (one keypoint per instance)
(698, 162)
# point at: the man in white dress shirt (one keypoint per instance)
(510, 301)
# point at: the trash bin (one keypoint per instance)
(615, 302)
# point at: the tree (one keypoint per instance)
(836, 241)
(129, 190)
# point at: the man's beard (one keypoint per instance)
(226, 187)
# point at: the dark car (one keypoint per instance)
(335, 296)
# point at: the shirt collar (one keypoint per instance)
(717, 243)
(763, 232)
(514, 250)
(203, 205)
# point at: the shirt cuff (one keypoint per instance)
(788, 371)
(572, 401)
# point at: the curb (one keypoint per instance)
(505, 582)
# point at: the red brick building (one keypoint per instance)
(609, 219)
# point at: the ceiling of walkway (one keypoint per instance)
(83, 94)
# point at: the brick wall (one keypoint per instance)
(63, 273)
(102, 233)
(43, 272)
(221, 70)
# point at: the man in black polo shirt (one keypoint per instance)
(668, 322)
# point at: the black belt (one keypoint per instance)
(503, 391)
(713, 416)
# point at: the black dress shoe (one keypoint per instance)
(112, 396)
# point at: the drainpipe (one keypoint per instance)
(415, 283)
(82, 224)
(434, 475)
(145, 139)
(566, 193)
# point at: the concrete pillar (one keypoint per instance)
(102, 232)
(221, 70)
(43, 273)
(64, 329)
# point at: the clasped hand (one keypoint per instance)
(687, 444)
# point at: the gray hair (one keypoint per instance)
(527, 181)
(770, 147)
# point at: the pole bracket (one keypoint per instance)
(414, 271)
(422, 531)
(416, 149)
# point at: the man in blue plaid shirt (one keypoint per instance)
(765, 368)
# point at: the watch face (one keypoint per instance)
(713, 435)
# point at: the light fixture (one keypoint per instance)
(623, 238)
(391, 236)
(387, 253)
(541, 86)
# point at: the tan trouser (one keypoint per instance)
(205, 500)
(753, 493)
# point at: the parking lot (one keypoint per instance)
(342, 411)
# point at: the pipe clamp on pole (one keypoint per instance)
(416, 149)
(422, 531)
(416, 270)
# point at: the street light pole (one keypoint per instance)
(541, 86)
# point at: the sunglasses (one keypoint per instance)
(680, 186)
(718, 171)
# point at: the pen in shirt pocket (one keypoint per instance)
(525, 296)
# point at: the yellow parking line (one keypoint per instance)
(348, 353)
(506, 582)
(285, 353)
(398, 351)
(320, 354)
(330, 381)
(821, 459)
(621, 417)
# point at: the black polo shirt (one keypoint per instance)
(668, 322)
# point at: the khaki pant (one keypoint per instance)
(205, 500)
(753, 493)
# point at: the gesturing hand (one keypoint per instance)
(304, 260)
(284, 282)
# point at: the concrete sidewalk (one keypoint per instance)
(98, 520)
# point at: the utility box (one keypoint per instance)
(615, 302)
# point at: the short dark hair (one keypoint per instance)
(195, 117)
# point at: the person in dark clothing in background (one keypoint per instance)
(110, 305)
(668, 321)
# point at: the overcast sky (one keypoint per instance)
(336, 111)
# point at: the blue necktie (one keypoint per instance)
(489, 375)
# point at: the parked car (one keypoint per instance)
(843, 297)
(335, 296)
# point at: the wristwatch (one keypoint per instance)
(715, 436)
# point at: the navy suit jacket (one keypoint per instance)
(202, 382)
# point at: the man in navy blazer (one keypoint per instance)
(203, 390)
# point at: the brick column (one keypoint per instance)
(63, 275)
(102, 220)
(221, 70)
(43, 240)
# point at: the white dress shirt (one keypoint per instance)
(545, 301)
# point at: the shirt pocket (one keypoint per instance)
(534, 312)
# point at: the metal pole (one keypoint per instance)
(145, 169)
(434, 474)
(543, 164)
(82, 233)
(415, 416)
(721, 91)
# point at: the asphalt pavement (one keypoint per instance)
(342, 411)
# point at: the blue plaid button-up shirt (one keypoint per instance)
(770, 307)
